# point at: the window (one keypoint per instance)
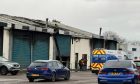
(50, 65)
(137, 63)
(38, 64)
(134, 49)
(118, 64)
(55, 65)
(60, 65)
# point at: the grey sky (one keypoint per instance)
(120, 16)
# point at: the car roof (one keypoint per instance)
(120, 60)
(45, 60)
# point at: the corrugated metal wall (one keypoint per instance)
(21, 51)
(111, 45)
(64, 44)
(98, 43)
(29, 46)
(40, 46)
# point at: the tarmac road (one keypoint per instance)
(76, 78)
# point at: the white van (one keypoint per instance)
(121, 55)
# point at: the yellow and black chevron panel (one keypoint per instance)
(96, 65)
(98, 52)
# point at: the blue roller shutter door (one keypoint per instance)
(112, 45)
(97, 43)
(21, 52)
(64, 43)
(1, 42)
(40, 46)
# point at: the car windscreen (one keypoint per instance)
(118, 64)
(38, 64)
(137, 63)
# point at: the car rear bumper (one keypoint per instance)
(116, 80)
(41, 76)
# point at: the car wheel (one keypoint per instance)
(96, 72)
(14, 72)
(67, 76)
(53, 77)
(31, 79)
(3, 71)
(92, 71)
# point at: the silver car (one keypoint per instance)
(8, 66)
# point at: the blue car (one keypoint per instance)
(47, 69)
(118, 72)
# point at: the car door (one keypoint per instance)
(57, 69)
(62, 69)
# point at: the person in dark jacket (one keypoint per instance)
(81, 63)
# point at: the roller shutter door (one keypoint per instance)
(21, 51)
(40, 46)
(112, 45)
(98, 43)
(64, 43)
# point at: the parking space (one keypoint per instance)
(76, 78)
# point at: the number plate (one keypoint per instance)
(115, 73)
(35, 74)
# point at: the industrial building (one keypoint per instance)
(24, 40)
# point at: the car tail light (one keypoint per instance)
(44, 68)
(129, 72)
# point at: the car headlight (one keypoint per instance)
(11, 65)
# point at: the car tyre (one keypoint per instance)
(14, 72)
(96, 72)
(53, 79)
(67, 76)
(3, 71)
(31, 79)
(92, 72)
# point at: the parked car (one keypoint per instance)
(137, 62)
(118, 71)
(47, 69)
(7, 66)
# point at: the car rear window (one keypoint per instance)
(137, 63)
(118, 64)
(38, 64)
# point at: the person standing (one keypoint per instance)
(81, 63)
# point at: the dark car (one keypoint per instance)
(118, 72)
(47, 69)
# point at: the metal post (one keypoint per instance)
(47, 21)
(100, 32)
